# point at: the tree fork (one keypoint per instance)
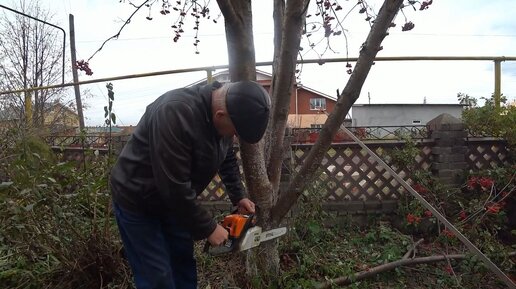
(349, 95)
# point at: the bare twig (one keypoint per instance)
(411, 253)
(390, 266)
(121, 28)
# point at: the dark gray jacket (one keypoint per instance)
(172, 156)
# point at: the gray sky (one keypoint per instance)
(447, 28)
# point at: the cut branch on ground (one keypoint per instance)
(342, 281)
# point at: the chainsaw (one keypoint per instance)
(243, 234)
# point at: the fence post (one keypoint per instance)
(449, 149)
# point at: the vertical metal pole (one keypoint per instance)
(75, 75)
(28, 108)
(498, 80)
(209, 76)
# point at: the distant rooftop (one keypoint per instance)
(410, 104)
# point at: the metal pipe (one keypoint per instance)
(269, 63)
(209, 76)
(55, 26)
(498, 81)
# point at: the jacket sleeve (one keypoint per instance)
(230, 174)
(170, 149)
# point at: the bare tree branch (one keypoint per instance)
(283, 82)
(342, 281)
(121, 28)
(349, 95)
(411, 253)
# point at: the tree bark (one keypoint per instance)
(283, 79)
(349, 95)
(242, 66)
(263, 181)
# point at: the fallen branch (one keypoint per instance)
(389, 266)
(413, 250)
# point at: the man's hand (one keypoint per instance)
(246, 206)
(219, 236)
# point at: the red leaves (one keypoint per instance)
(448, 269)
(472, 183)
(462, 215)
(493, 208)
(413, 219)
(448, 233)
(420, 188)
(485, 183)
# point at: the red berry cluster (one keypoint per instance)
(83, 66)
(408, 26)
(425, 5)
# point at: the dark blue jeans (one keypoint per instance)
(159, 251)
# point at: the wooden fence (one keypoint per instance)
(348, 173)
(348, 176)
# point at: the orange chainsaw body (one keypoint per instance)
(236, 224)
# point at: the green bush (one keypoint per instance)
(490, 120)
(56, 226)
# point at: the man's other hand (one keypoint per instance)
(218, 236)
(246, 206)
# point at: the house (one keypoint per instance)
(306, 104)
(57, 118)
(9, 118)
(388, 114)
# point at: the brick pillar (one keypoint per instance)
(449, 150)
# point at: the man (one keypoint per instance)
(184, 138)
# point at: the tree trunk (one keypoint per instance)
(263, 182)
(349, 95)
(284, 68)
(242, 66)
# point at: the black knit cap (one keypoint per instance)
(248, 105)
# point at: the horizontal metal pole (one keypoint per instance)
(268, 63)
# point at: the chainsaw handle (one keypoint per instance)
(236, 224)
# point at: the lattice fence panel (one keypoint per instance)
(347, 173)
(483, 155)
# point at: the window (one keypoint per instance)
(316, 126)
(416, 122)
(317, 103)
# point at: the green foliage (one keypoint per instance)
(405, 157)
(109, 115)
(479, 209)
(490, 120)
(56, 229)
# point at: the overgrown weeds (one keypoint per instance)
(56, 225)
(57, 231)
